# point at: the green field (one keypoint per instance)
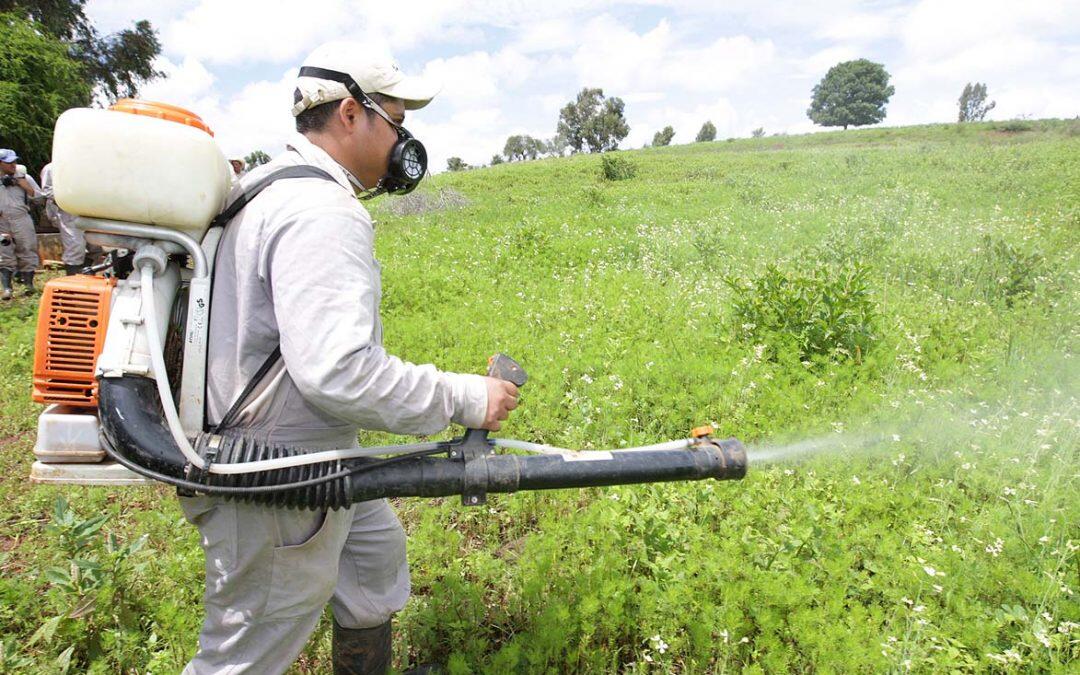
(907, 299)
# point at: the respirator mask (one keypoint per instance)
(408, 158)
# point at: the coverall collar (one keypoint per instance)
(316, 156)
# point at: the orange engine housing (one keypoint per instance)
(72, 319)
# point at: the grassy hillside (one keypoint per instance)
(906, 300)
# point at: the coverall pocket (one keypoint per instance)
(303, 575)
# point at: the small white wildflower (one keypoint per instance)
(855, 480)
(919, 608)
(724, 634)
(932, 572)
(1043, 640)
(896, 438)
(938, 589)
(995, 548)
(1008, 491)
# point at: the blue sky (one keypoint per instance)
(507, 66)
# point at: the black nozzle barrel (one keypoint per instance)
(436, 477)
(135, 434)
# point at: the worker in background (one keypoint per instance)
(296, 269)
(71, 237)
(238, 168)
(18, 240)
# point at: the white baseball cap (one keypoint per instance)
(375, 72)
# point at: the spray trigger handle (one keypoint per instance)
(503, 367)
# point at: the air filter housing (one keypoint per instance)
(72, 319)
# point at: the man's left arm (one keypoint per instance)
(30, 187)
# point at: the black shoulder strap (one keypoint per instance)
(298, 171)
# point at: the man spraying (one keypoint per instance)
(18, 240)
(296, 272)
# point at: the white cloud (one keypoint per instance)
(861, 27)
(618, 59)
(186, 81)
(253, 30)
(933, 29)
(816, 65)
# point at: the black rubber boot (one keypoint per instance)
(27, 278)
(73, 269)
(362, 651)
(5, 284)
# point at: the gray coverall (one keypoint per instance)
(296, 267)
(71, 237)
(21, 255)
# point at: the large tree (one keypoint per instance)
(521, 147)
(38, 81)
(114, 65)
(255, 158)
(707, 133)
(663, 137)
(973, 105)
(852, 93)
(52, 58)
(593, 122)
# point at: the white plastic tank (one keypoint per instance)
(159, 166)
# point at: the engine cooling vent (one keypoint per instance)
(72, 319)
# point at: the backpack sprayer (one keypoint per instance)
(121, 359)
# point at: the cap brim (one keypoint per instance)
(414, 91)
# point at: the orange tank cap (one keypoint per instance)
(702, 431)
(162, 111)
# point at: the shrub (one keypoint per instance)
(1014, 126)
(615, 167)
(826, 312)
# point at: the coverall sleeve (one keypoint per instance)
(46, 182)
(321, 272)
(37, 196)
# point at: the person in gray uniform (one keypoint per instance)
(296, 270)
(71, 237)
(18, 240)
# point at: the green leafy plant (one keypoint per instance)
(98, 614)
(824, 312)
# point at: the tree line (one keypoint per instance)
(852, 93)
